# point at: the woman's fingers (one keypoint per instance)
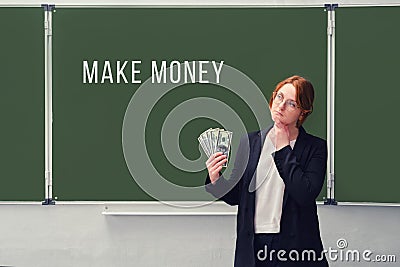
(217, 157)
(279, 125)
(214, 171)
(218, 164)
(214, 165)
(213, 156)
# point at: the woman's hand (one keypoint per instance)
(214, 165)
(281, 135)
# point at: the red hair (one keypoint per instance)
(304, 95)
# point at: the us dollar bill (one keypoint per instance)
(224, 144)
(215, 140)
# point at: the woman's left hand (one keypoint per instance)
(281, 135)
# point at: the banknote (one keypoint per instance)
(224, 143)
(203, 146)
(215, 140)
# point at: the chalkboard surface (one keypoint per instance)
(267, 45)
(367, 93)
(21, 104)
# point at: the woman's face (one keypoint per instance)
(284, 107)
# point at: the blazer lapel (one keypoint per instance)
(255, 153)
(300, 143)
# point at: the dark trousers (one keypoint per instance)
(266, 247)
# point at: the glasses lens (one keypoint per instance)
(292, 105)
(278, 98)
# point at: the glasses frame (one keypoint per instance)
(287, 102)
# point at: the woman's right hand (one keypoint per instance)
(214, 165)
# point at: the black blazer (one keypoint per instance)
(303, 172)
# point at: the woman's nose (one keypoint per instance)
(282, 105)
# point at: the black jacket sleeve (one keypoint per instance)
(303, 184)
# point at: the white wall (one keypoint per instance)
(80, 235)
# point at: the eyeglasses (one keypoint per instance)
(278, 98)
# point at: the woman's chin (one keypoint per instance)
(276, 118)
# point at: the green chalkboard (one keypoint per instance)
(267, 45)
(367, 93)
(22, 104)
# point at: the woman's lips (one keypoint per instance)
(278, 113)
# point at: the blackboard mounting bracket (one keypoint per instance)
(48, 100)
(48, 7)
(331, 7)
(330, 201)
(48, 201)
(330, 103)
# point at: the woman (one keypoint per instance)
(277, 176)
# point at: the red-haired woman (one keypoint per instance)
(277, 176)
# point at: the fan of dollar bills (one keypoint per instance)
(216, 140)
